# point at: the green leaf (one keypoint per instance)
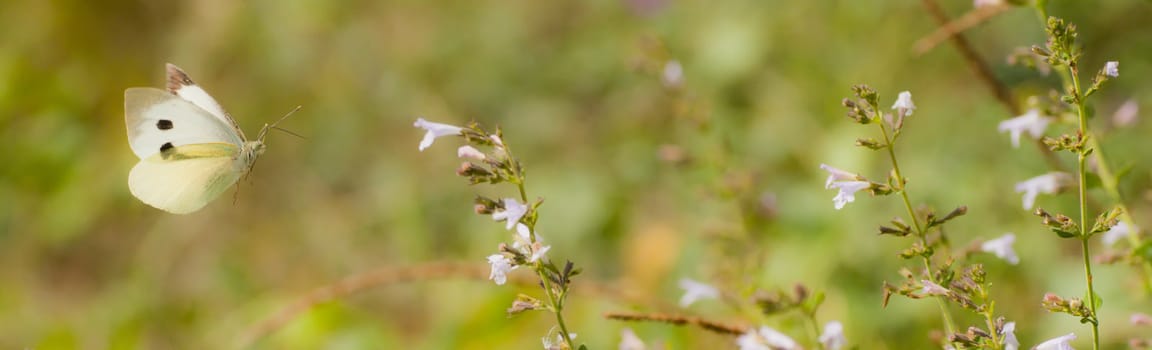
(1064, 234)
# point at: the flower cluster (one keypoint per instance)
(517, 215)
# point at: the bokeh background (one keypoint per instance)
(714, 178)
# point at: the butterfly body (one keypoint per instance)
(190, 150)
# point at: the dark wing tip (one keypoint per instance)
(177, 78)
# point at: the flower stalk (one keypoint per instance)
(890, 145)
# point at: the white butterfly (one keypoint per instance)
(190, 150)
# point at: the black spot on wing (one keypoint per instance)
(166, 150)
(164, 124)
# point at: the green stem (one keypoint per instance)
(557, 304)
(989, 315)
(1109, 182)
(813, 329)
(948, 324)
(1082, 156)
(555, 301)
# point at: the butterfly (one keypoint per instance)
(190, 150)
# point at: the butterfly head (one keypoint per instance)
(251, 151)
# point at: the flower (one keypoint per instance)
(1033, 122)
(848, 191)
(1112, 69)
(1139, 319)
(435, 130)
(511, 213)
(470, 152)
(1057, 343)
(554, 341)
(983, 3)
(1048, 183)
(538, 252)
(1127, 114)
(629, 340)
(904, 103)
(765, 339)
(1118, 231)
(695, 290)
(833, 336)
(1009, 336)
(931, 288)
(501, 265)
(673, 74)
(848, 184)
(523, 242)
(1002, 248)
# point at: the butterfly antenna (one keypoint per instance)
(264, 131)
(286, 131)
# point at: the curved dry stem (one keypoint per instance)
(951, 28)
(984, 74)
(356, 283)
(679, 320)
(406, 274)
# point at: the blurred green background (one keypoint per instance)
(575, 86)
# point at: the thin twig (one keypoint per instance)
(355, 283)
(984, 74)
(955, 27)
(431, 271)
(679, 320)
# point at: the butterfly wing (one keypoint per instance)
(158, 120)
(183, 179)
(181, 85)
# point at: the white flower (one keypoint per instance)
(1048, 183)
(673, 74)
(501, 265)
(766, 339)
(1112, 69)
(848, 191)
(496, 140)
(435, 130)
(1009, 336)
(1058, 343)
(1033, 122)
(848, 184)
(629, 340)
(553, 341)
(1117, 232)
(695, 290)
(1002, 248)
(904, 102)
(931, 288)
(835, 175)
(470, 152)
(523, 236)
(511, 214)
(538, 252)
(833, 336)
(983, 3)
(1127, 113)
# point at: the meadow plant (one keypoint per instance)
(937, 270)
(940, 275)
(519, 215)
